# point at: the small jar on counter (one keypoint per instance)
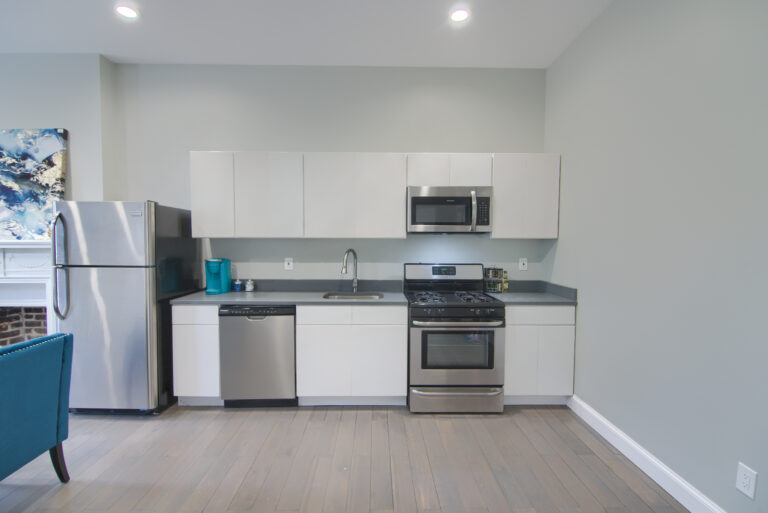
(250, 286)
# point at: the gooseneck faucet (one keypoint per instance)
(344, 267)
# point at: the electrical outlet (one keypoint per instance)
(522, 264)
(288, 264)
(746, 479)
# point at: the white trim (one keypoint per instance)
(352, 401)
(668, 479)
(525, 400)
(25, 243)
(200, 401)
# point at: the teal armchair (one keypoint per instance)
(34, 402)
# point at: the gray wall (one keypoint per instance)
(170, 110)
(166, 111)
(58, 91)
(659, 110)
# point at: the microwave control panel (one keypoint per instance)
(483, 211)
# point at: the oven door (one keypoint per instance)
(456, 354)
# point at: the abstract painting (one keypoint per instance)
(32, 173)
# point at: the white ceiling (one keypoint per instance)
(500, 33)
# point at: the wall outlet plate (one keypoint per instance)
(288, 264)
(522, 264)
(746, 480)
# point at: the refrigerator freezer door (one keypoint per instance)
(115, 339)
(108, 233)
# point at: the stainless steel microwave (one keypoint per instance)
(449, 209)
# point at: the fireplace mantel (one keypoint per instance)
(25, 275)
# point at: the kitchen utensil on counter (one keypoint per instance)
(495, 280)
(218, 275)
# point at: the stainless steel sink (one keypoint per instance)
(353, 295)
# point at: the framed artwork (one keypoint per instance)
(33, 166)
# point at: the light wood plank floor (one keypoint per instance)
(527, 460)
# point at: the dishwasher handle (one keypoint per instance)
(256, 312)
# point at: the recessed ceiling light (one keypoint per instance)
(459, 15)
(127, 12)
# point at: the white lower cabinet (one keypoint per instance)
(351, 351)
(539, 350)
(196, 351)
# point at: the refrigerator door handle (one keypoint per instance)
(59, 267)
(54, 253)
(56, 307)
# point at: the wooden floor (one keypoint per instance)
(527, 460)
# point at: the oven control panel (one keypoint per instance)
(458, 314)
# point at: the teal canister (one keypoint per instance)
(218, 275)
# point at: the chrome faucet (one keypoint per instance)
(344, 267)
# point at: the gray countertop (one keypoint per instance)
(534, 298)
(286, 298)
(316, 298)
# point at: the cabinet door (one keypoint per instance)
(212, 193)
(323, 361)
(379, 195)
(429, 169)
(329, 185)
(196, 360)
(520, 360)
(526, 195)
(471, 169)
(380, 360)
(354, 195)
(440, 169)
(269, 194)
(555, 361)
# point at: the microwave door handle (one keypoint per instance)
(473, 194)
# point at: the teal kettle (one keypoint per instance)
(218, 275)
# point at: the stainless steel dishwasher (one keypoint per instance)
(257, 355)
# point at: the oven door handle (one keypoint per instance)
(473, 324)
(493, 392)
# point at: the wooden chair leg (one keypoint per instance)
(59, 465)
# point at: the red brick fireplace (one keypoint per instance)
(25, 290)
(21, 323)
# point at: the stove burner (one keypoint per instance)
(474, 297)
(425, 297)
(428, 298)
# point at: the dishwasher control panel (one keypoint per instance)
(253, 310)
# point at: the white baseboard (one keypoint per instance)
(533, 400)
(200, 401)
(353, 401)
(668, 479)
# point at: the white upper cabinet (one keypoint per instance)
(211, 193)
(442, 169)
(526, 195)
(269, 198)
(354, 195)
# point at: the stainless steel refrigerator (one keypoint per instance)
(116, 266)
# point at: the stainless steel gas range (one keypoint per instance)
(455, 340)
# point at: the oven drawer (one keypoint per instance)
(456, 399)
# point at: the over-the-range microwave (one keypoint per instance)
(449, 209)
